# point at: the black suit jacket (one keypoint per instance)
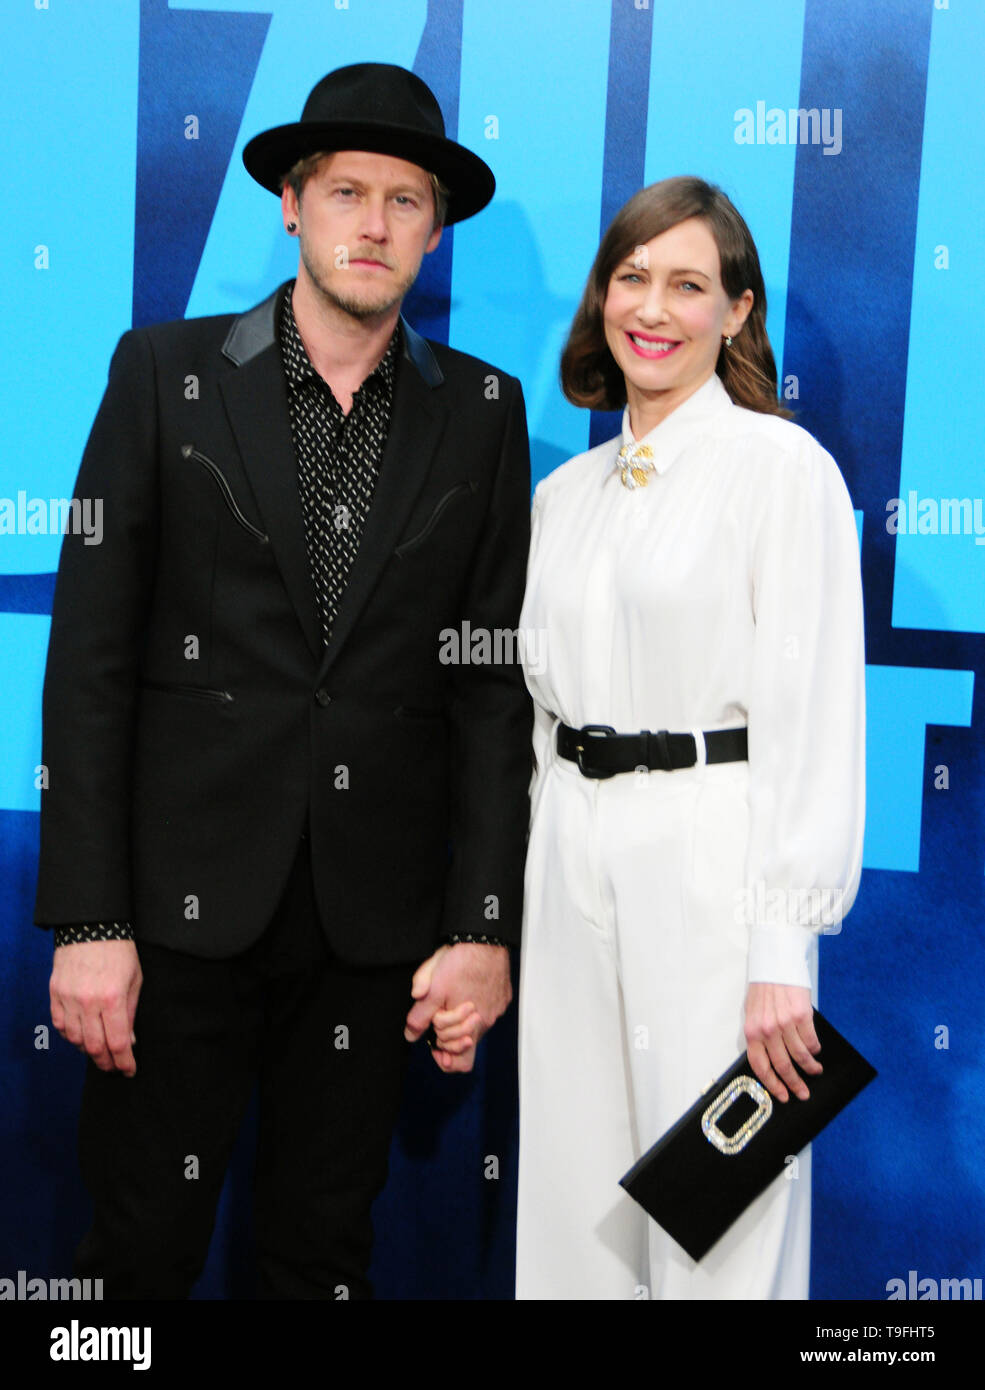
(194, 720)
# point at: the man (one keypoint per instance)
(269, 797)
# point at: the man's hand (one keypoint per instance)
(780, 1026)
(94, 988)
(461, 990)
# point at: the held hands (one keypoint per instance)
(461, 990)
(94, 988)
(780, 1026)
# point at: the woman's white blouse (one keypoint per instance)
(725, 592)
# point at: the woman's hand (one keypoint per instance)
(780, 1026)
(460, 991)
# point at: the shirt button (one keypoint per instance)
(323, 698)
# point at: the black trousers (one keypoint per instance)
(324, 1039)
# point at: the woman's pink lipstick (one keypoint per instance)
(655, 355)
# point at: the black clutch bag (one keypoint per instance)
(732, 1143)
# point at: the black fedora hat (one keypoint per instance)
(383, 109)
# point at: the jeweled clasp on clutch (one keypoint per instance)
(735, 1143)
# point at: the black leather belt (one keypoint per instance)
(600, 752)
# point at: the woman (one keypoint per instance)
(698, 574)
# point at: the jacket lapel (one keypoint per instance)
(255, 396)
(256, 403)
(417, 422)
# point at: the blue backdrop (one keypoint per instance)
(125, 202)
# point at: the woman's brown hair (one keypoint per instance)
(589, 374)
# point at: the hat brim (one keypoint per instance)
(470, 181)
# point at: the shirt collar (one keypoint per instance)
(664, 439)
(298, 367)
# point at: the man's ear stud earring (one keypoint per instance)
(292, 226)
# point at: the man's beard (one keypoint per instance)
(353, 304)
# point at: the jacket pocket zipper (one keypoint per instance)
(435, 516)
(199, 691)
(189, 451)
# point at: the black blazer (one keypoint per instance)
(194, 720)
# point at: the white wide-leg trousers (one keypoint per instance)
(633, 983)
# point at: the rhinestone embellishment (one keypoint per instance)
(635, 464)
(734, 1143)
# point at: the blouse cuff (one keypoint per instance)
(780, 955)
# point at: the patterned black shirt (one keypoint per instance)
(339, 459)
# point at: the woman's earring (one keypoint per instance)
(727, 341)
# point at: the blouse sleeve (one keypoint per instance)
(543, 719)
(806, 717)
